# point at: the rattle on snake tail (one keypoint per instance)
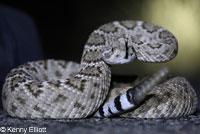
(59, 89)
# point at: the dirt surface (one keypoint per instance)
(186, 125)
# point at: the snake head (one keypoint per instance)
(117, 51)
(128, 40)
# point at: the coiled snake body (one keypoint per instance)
(59, 89)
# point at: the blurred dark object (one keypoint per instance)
(19, 42)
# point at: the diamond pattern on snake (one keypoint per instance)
(60, 89)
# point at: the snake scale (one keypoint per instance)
(59, 89)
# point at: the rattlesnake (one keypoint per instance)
(60, 89)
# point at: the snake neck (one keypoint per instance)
(92, 61)
(94, 67)
(95, 70)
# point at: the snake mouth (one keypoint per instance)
(130, 53)
(126, 49)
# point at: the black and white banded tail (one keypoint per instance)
(132, 97)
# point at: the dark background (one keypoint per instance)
(64, 27)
